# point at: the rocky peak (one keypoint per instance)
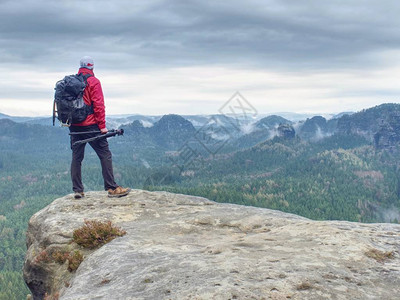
(286, 131)
(315, 128)
(185, 247)
(134, 128)
(173, 122)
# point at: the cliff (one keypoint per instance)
(388, 135)
(185, 247)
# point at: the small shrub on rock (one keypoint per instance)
(60, 256)
(74, 260)
(42, 257)
(96, 233)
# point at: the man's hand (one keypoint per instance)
(104, 130)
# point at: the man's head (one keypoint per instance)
(87, 62)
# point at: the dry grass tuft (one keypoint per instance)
(378, 255)
(42, 257)
(60, 256)
(74, 260)
(96, 233)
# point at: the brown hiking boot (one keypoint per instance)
(79, 195)
(118, 192)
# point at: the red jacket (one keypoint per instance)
(93, 94)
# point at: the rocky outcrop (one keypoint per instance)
(186, 247)
(286, 131)
(388, 135)
(316, 128)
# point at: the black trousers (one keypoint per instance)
(102, 150)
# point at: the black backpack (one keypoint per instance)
(68, 100)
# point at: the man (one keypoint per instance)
(94, 124)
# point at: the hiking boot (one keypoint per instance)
(118, 192)
(79, 195)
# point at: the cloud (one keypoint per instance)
(126, 34)
(190, 56)
(203, 90)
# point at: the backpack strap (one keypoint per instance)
(86, 76)
(90, 108)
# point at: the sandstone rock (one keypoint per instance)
(286, 131)
(186, 247)
(388, 135)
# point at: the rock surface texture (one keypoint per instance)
(186, 247)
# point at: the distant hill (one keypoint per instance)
(263, 129)
(31, 137)
(16, 118)
(296, 117)
(42, 121)
(337, 116)
(118, 121)
(112, 121)
(271, 122)
(235, 126)
(170, 132)
(198, 121)
(367, 122)
(316, 128)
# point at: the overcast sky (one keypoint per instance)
(189, 57)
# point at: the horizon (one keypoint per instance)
(259, 115)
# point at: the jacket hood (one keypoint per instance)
(85, 71)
